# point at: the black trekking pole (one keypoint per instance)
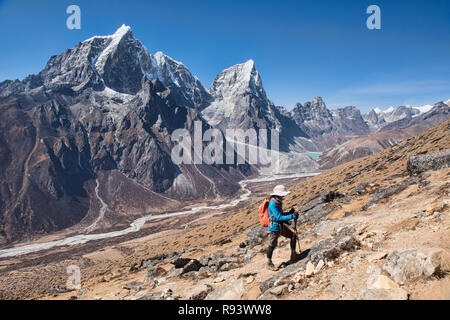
(296, 235)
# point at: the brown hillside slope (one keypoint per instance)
(414, 218)
(104, 275)
(384, 168)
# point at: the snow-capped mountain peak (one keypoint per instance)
(239, 99)
(119, 62)
(239, 79)
(116, 38)
(120, 32)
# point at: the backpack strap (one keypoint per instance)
(278, 204)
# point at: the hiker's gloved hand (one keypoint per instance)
(292, 211)
(295, 216)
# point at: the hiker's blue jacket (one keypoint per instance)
(276, 215)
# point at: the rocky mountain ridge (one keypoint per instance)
(102, 114)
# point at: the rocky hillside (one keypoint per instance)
(328, 127)
(374, 228)
(390, 134)
(361, 146)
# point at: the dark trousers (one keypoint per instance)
(273, 239)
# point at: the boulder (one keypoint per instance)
(230, 266)
(256, 235)
(249, 256)
(309, 269)
(319, 267)
(193, 265)
(160, 257)
(203, 272)
(413, 263)
(174, 272)
(430, 161)
(201, 292)
(180, 262)
(280, 290)
(318, 209)
(153, 272)
(383, 282)
(382, 294)
(233, 291)
(332, 247)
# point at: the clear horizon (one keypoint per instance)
(301, 49)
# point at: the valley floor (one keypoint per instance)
(413, 218)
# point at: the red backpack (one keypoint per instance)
(264, 212)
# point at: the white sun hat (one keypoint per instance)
(280, 191)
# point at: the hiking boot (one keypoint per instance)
(294, 257)
(270, 265)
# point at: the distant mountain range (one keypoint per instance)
(90, 135)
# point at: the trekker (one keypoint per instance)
(277, 227)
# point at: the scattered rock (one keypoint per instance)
(152, 296)
(233, 291)
(203, 273)
(256, 235)
(332, 247)
(309, 269)
(166, 294)
(201, 293)
(327, 249)
(218, 279)
(81, 292)
(249, 256)
(360, 189)
(386, 193)
(55, 290)
(383, 294)
(383, 282)
(377, 256)
(153, 272)
(413, 263)
(431, 161)
(159, 257)
(192, 265)
(280, 290)
(436, 207)
(221, 242)
(318, 267)
(174, 272)
(248, 274)
(204, 260)
(250, 279)
(133, 268)
(180, 262)
(230, 266)
(133, 286)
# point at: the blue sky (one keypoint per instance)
(302, 49)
